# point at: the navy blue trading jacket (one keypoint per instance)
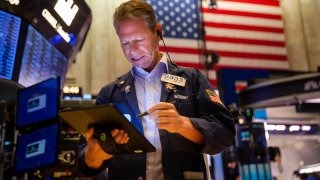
(179, 155)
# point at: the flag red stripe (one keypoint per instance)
(245, 41)
(241, 13)
(243, 27)
(218, 66)
(181, 50)
(259, 2)
(252, 55)
(186, 64)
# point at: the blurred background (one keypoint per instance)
(261, 56)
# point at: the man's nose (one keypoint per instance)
(133, 46)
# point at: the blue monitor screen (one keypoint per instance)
(36, 149)
(38, 103)
(9, 35)
(40, 60)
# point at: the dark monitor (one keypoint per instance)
(36, 149)
(38, 103)
(9, 36)
(40, 60)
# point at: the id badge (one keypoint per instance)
(176, 80)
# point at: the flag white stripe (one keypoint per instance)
(246, 48)
(249, 21)
(234, 47)
(245, 34)
(182, 43)
(247, 7)
(253, 63)
(212, 74)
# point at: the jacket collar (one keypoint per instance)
(127, 88)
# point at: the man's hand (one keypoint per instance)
(167, 118)
(95, 156)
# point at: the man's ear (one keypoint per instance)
(159, 30)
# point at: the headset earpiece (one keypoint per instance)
(159, 34)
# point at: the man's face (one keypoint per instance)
(139, 44)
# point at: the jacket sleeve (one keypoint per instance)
(212, 119)
(87, 171)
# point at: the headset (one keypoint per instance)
(159, 34)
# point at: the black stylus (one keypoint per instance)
(146, 112)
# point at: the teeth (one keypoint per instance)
(136, 58)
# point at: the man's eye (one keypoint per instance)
(124, 43)
(139, 40)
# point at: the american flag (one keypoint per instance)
(245, 33)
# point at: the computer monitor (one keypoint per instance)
(37, 149)
(38, 103)
(40, 60)
(9, 36)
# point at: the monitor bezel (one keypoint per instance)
(57, 139)
(30, 126)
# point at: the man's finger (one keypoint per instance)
(161, 106)
(88, 134)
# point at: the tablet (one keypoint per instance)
(105, 118)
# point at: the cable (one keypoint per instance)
(165, 47)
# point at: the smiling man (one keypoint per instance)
(195, 122)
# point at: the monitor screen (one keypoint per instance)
(36, 149)
(38, 103)
(40, 60)
(9, 35)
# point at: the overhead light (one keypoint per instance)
(315, 100)
(306, 128)
(280, 127)
(309, 170)
(294, 128)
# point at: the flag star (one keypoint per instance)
(184, 24)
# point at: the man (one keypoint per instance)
(184, 121)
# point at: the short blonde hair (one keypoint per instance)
(136, 10)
